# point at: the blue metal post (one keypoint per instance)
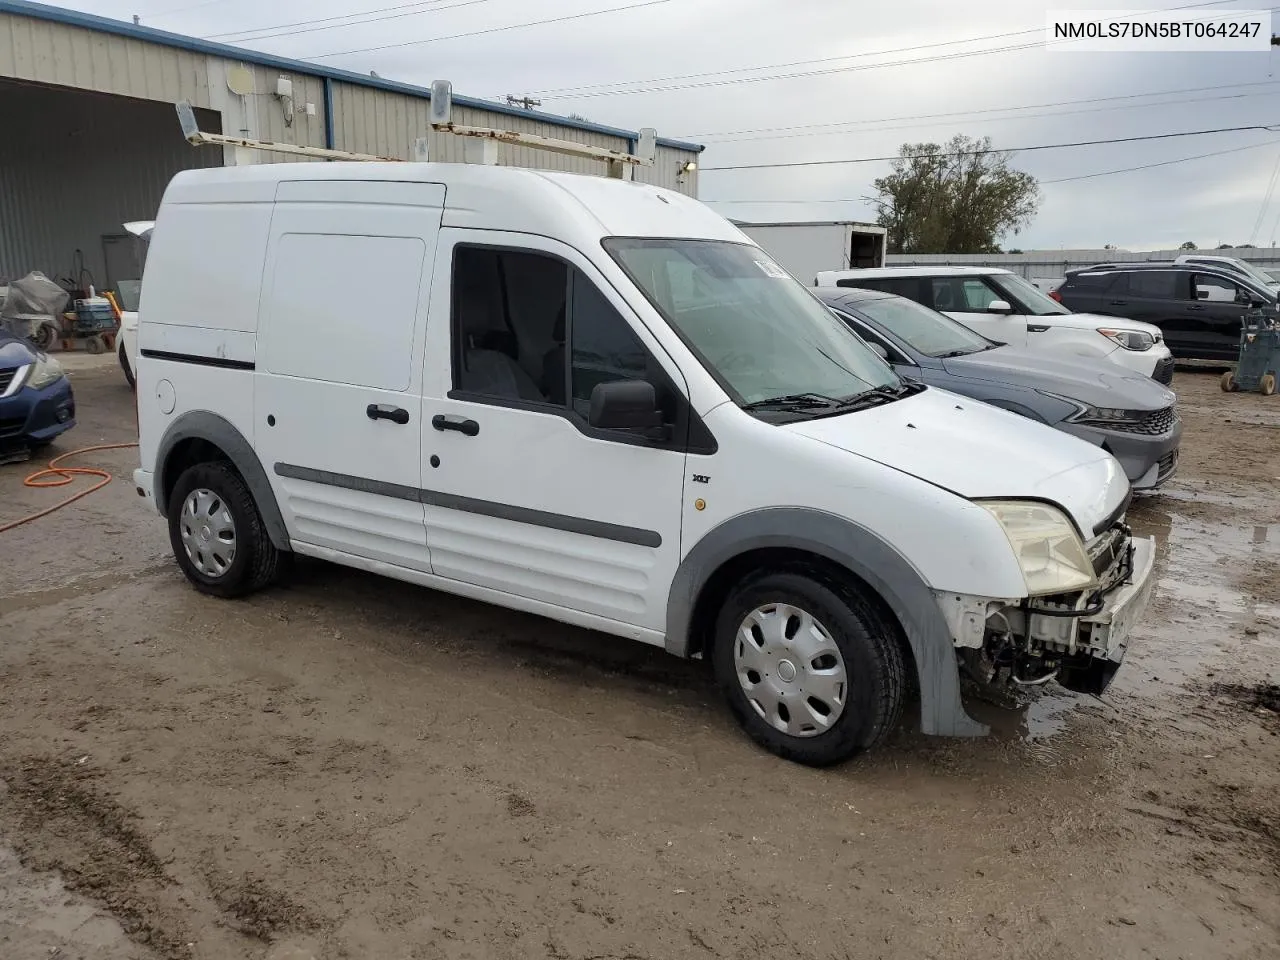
(329, 138)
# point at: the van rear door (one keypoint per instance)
(338, 390)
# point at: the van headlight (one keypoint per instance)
(1138, 340)
(1052, 555)
(45, 371)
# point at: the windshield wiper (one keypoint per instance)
(958, 353)
(875, 397)
(793, 401)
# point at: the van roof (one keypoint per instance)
(483, 197)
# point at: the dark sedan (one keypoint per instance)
(1132, 417)
(36, 401)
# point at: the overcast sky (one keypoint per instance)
(1210, 201)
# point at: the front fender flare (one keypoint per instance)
(867, 556)
(204, 425)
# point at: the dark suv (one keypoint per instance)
(1198, 308)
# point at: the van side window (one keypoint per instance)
(507, 307)
(604, 347)
(530, 328)
(368, 339)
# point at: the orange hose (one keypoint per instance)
(56, 476)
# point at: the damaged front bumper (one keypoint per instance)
(1080, 641)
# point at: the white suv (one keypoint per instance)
(1004, 307)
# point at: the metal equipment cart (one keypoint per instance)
(1259, 364)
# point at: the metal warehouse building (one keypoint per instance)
(89, 136)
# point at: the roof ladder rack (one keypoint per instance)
(620, 165)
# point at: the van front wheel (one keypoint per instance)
(217, 534)
(812, 671)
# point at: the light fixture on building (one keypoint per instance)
(688, 166)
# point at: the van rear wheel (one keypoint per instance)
(811, 670)
(217, 533)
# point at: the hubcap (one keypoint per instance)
(208, 533)
(791, 670)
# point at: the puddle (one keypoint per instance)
(79, 587)
(1047, 716)
(1170, 495)
(40, 917)
(1209, 577)
(1036, 726)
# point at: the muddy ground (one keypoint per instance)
(352, 767)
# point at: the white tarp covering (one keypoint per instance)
(33, 299)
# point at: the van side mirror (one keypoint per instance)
(1202, 293)
(1257, 304)
(999, 306)
(881, 352)
(626, 405)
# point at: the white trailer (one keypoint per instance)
(804, 249)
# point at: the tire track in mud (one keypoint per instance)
(59, 818)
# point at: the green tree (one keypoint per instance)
(1189, 245)
(958, 197)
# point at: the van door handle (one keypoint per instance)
(1195, 306)
(468, 427)
(376, 411)
(1118, 303)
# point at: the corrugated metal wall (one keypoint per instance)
(74, 167)
(33, 49)
(78, 58)
(380, 122)
(76, 159)
(268, 114)
(366, 119)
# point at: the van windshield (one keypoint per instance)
(761, 334)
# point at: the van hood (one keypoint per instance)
(1092, 383)
(978, 451)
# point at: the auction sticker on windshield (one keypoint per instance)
(771, 269)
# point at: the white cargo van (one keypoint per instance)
(598, 401)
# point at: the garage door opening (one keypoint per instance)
(74, 167)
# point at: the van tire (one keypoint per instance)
(256, 563)
(877, 682)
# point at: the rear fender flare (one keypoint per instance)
(203, 425)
